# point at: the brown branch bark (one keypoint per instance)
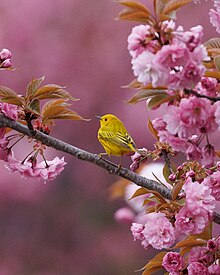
(93, 158)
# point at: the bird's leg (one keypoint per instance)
(102, 154)
(119, 165)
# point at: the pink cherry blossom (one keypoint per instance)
(172, 55)
(191, 74)
(137, 231)
(217, 113)
(208, 86)
(213, 182)
(193, 152)
(158, 231)
(199, 194)
(4, 151)
(214, 269)
(32, 169)
(208, 155)
(215, 19)
(173, 261)
(192, 38)
(138, 39)
(9, 110)
(51, 170)
(197, 268)
(191, 219)
(213, 245)
(178, 144)
(194, 115)
(147, 71)
(200, 254)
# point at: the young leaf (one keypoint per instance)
(217, 62)
(157, 100)
(139, 192)
(213, 43)
(135, 11)
(9, 96)
(151, 128)
(52, 91)
(33, 86)
(144, 95)
(34, 106)
(173, 5)
(57, 109)
(176, 189)
(154, 264)
(190, 243)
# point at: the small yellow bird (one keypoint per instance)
(114, 137)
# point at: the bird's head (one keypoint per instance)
(107, 119)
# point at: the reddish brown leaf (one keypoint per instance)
(145, 94)
(217, 62)
(57, 109)
(151, 128)
(8, 95)
(34, 85)
(190, 242)
(173, 5)
(117, 189)
(52, 91)
(157, 100)
(154, 264)
(176, 189)
(213, 43)
(135, 11)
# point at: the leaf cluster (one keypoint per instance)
(30, 107)
(163, 10)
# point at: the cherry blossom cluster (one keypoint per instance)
(188, 122)
(170, 66)
(29, 167)
(168, 56)
(159, 229)
(201, 260)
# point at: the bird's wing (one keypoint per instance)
(120, 139)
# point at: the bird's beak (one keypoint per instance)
(99, 117)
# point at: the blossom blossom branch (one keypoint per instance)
(84, 155)
(93, 158)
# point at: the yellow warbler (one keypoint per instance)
(114, 137)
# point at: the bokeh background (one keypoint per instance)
(66, 226)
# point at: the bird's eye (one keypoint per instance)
(106, 119)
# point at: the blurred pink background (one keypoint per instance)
(67, 226)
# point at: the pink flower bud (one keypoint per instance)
(190, 174)
(6, 63)
(172, 177)
(193, 139)
(5, 54)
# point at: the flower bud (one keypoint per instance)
(6, 63)
(5, 54)
(172, 177)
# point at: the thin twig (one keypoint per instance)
(191, 92)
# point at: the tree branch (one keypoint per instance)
(93, 158)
